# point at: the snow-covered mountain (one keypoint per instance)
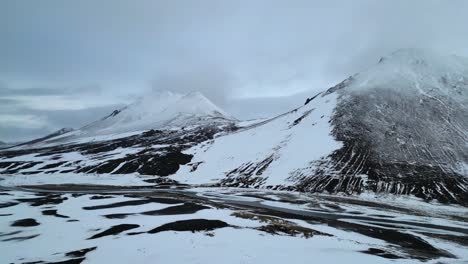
(51, 136)
(399, 127)
(154, 110)
(158, 110)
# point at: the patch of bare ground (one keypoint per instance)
(278, 226)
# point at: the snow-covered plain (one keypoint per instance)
(321, 224)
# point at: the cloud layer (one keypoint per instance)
(107, 50)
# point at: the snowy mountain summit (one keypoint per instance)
(158, 110)
(417, 71)
(412, 107)
(399, 127)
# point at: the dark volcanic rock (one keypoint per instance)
(7, 204)
(192, 225)
(54, 213)
(25, 222)
(80, 253)
(186, 208)
(381, 253)
(49, 199)
(161, 161)
(22, 238)
(132, 203)
(115, 230)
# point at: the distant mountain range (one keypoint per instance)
(399, 127)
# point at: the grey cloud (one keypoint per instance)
(125, 41)
(47, 91)
(19, 134)
(54, 121)
(78, 118)
(7, 102)
(211, 80)
(226, 49)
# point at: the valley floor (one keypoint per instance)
(83, 223)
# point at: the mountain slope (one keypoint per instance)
(401, 127)
(409, 115)
(264, 154)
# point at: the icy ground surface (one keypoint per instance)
(82, 223)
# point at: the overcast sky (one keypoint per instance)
(66, 63)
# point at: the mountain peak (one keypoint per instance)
(197, 103)
(159, 109)
(418, 58)
(416, 71)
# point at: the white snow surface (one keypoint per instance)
(289, 146)
(241, 243)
